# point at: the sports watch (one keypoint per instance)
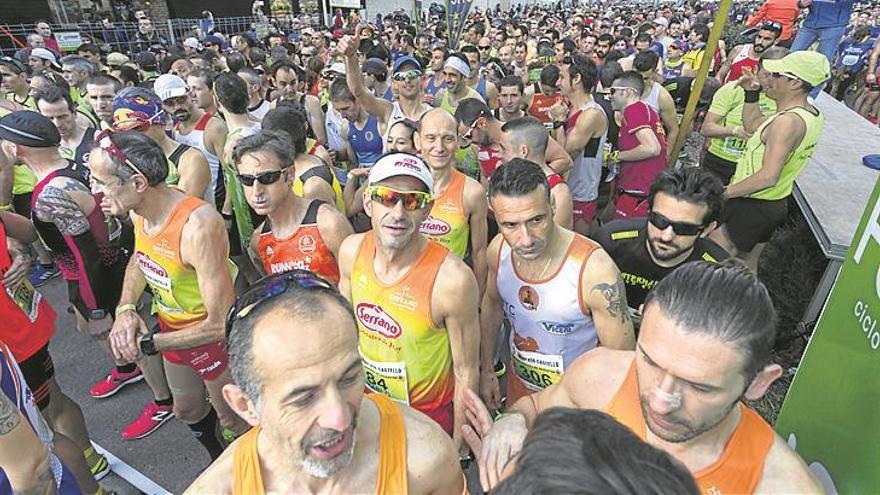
(147, 346)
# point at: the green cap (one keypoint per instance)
(808, 66)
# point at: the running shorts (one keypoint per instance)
(38, 370)
(751, 221)
(209, 360)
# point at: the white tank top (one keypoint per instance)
(549, 325)
(653, 98)
(586, 168)
(196, 139)
(396, 116)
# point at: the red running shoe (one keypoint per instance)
(114, 383)
(149, 421)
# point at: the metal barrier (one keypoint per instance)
(121, 36)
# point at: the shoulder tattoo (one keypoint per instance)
(55, 205)
(615, 297)
(9, 415)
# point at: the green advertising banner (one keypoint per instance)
(830, 415)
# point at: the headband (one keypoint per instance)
(459, 65)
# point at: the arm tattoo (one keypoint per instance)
(615, 295)
(10, 417)
(55, 205)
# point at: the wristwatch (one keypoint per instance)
(147, 346)
(97, 314)
(558, 123)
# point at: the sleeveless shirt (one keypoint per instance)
(304, 249)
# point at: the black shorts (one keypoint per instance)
(723, 169)
(751, 221)
(38, 370)
(21, 204)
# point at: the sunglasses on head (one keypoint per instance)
(680, 228)
(615, 89)
(265, 178)
(330, 76)
(388, 197)
(408, 75)
(467, 136)
(106, 143)
(270, 287)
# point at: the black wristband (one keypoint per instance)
(752, 96)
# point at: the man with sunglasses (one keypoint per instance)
(301, 387)
(560, 291)
(684, 205)
(582, 130)
(298, 233)
(139, 109)
(748, 55)
(415, 302)
(181, 251)
(775, 154)
(642, 145)
(406, 76)
(14, 80)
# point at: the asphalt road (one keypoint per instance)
(170, 457)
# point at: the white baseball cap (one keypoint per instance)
(397, 164)
(338, 68)
(46, 55)
(192, 43)
(169, 86)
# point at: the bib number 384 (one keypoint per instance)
(537, 371)
(388, 379)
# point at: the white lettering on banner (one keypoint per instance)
(868, 324)
(872, 231)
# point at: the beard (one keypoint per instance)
(181, 115)
(326, 468)
(665, 255)
(689, 430)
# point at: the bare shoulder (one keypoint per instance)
(217, 478)
(786, 472)
(331, 215)
(473, 191)
(492, 251)
(348, 250)
(432, 463)
(205, 219)
(454, 280)
(594, 377)
(600, 267)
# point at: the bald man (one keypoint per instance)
(458, 218)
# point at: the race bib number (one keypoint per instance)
(537, 371)
(28, 299)
(734, 145)
(388, 379)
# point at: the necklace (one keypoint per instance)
(546, 266)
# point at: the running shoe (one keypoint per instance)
(40, 274)
(114, 383)
(98, 466)
(149, 421)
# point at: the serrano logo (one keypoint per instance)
(376, 319)
(434, 226)
(150, 267)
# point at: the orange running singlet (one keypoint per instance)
(304, 249)
(392, 473)
(404, 355)
(738, 469)
(448, 224)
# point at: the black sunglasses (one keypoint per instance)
(265, 178)
(272, 286)
(680, 228)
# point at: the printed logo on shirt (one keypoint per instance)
(374, 318)
(164, 249)
(557, 328)
(528, 297)
(307, 244)
(155, 273)
(434, 226)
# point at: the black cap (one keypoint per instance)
(146, 60)
(28, 128)
(13, 63)
(375, 67)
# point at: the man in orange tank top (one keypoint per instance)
(414, 299)
(437, 143)
(705, 342)
(301, 388)
(297, 233)
(182, 253)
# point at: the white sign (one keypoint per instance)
(68, 41)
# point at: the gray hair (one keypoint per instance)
(276, 143)
(79, 63)
(143, 152)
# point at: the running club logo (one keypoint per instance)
(528, 297)
(374, 318)
(434, 226)
(307, 244)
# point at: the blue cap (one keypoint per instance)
(406, 59)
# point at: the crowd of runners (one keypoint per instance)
(356, 257)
